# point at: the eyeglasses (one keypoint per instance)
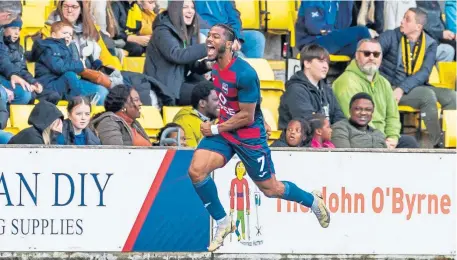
(367, 54)
(72, 7)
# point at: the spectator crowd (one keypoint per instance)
(78, 56)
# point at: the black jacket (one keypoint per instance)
(7, 69)
(120, 12)
(52, 59)
(302, 99)
(390, 44)
(17, 58)
(435, 25)
(168, 61)
(68, 133)
(42, 116)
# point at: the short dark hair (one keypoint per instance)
(317, 121)
(78, 100)
(229, 33)
(421, 15)
(360, 95)
(117, 97)
(305, 127)
(313, 51)
(201, 91)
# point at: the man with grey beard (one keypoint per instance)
(362, 76)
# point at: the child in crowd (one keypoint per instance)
(296, 135)
(16, 54)
(74, 129)
(172, 136)
(57, 66)
(140, 18)
(321, 132)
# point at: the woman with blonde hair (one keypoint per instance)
(46, 120)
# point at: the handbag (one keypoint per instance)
(96, 77)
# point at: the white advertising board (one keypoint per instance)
(72, 199)
(381, 203)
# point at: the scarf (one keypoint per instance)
(412, 60)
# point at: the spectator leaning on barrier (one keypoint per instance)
(118, 125)
(171, 138)
(173, 54)
(296, 135)
(46, 125)
(307, 92)
(409, 56)
(321, 132)
(205, 107)
(250, 42)
(362, 75)
(327, 23)
(356, 132)
(74, 129)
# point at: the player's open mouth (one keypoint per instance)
(211, 49)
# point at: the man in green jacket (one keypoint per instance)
(362, 76)
(205, 105)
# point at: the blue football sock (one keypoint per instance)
(207, 191)
(294, 193)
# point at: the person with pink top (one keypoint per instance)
(321, 132)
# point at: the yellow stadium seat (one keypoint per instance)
(335, 58)
(269, 119)
(151, 120)
(134, 64)
(19, 116)
(249, 13)
(169, 113)
(271, 92)
(447, 74)
(64, 111)
(97, 110)
(263, 68)
(449, 127)
(31, 68)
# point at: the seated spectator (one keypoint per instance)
(86, 33)
(5, 137)
(173, 53)
(17, 59)
(321, 132)
(118, 125)
(296, 135)
(132, 43)
(362, 76)
(410, 80)
(46, 125)
(57, 70)
(205, 107)
(327, 23)
(356, 132)
(251, 43)
(140, 17)
(169, 136)
(436, 29)
(307, 92)
(74, 129)
(450, 11)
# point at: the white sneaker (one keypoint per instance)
(222, 231)
(320, 210)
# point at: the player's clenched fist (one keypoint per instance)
(205, 128)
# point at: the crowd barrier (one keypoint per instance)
(141, 200)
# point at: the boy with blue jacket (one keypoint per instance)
(57, 67)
